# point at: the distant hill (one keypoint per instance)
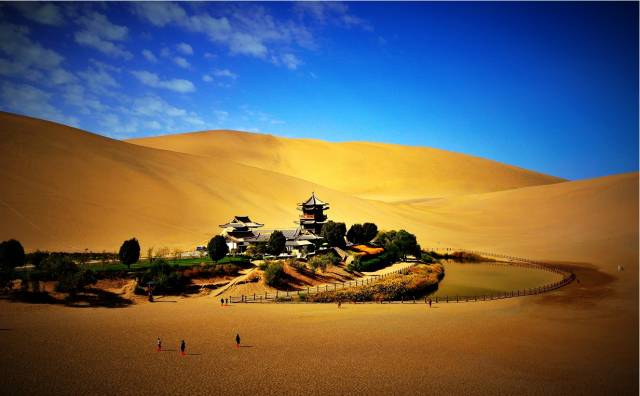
(386, 172)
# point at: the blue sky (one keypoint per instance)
(551, 87)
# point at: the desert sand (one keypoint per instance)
(67, 189)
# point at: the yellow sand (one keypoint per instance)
(64, 189)
(386, 172)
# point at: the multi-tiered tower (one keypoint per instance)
(312, 217)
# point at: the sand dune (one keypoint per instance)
(68, 189)
(380, 171)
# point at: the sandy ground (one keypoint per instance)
(574, 341)
(72, 190)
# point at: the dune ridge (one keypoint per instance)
(386, 172)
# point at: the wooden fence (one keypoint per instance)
(290, 296)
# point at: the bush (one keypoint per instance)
(37, 258)
(277, 243)
(274, 273)
(298, 265)
(129, 252)
(334, 233)
(322, 261)
(164, 276)
(217, 248)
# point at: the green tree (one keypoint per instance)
(334, 233)
(369, 231)
(355, 233)
(217, 248)
(129, 252)
(11, 255)
(277, 243)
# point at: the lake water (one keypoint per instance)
(474, 279)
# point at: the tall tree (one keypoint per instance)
(129, 252)
(334, 233)
(217, 248)
(355, 233)
(11, 254)
(369, 231)
(277, 243)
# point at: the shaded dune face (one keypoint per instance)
(386, 172)
(66, 189)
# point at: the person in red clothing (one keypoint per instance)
(159, 344)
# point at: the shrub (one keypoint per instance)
(322, 261)
(277, 243)
(217, 248)
(274, 273)
(36, 258)
(163, 275)
(334, 233)
(129, 252)
(298, 265)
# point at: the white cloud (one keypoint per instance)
(148, 55)
(207, 78)
(246, 44)
(182, 62)
(60, 76)
(336, 13)
(221, 115)
(164, 113)
(45, 13)
(225, 73)
(160, 13)
(185, 48)
(290, 61)
(99, 33)
(153, 80)
(26, 99)
(99, 81)
(76, 95)
(28, 59)
(249, 30)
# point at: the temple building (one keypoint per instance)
(237, 231)
(302, 241)
(312, 217)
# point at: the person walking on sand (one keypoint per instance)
(429, 303)
(183, 346)
(159, 344)
(222, 302)
(237, 340)
(339, 303)
(227, 299)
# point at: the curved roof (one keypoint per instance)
(313, 201)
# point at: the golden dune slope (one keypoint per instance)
(63, 188)
(380, 171)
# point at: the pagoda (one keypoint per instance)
(312, 217)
